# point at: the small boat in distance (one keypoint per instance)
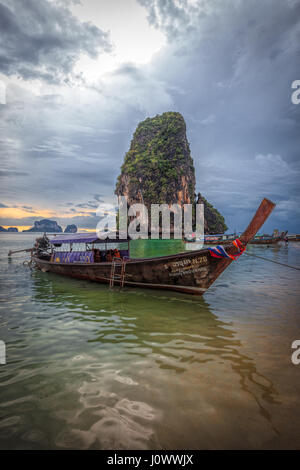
(217, 239)
(268, 239)
(88, 257)
(293, 238)
(211, 239)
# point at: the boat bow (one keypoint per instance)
(259, 218)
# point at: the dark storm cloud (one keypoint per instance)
(12, 173)
(43, 40)
(92, 204)
(230, 65)
(227, 67)
(28, 208)
(98, 197)
(173, 18)
(88, 205)
(256, 19)
(129, 70)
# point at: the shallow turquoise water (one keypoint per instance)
(89, 367)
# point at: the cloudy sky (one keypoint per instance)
(76, 77)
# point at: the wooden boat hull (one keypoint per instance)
(189, 272)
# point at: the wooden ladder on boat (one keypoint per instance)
(117, 276)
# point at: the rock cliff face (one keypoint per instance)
(158, 168)
(45, 225)
(71, 229)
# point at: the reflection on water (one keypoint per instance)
(121, 352)
(90, 367)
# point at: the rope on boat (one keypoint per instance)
(272, 261)
(220, 252)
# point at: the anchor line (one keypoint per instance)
(272, 261)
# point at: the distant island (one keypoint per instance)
(50, 226)
(71, 229)
(158, 169)
(9, 229)
(45, 225)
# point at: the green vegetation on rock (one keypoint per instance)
(159, 169)
(214, 221)
(158, 164)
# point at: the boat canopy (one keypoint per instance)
(87, 238)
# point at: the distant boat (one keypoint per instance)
(293, 238)
(268, 239)
(189, 272)
(257, 240)
(211, 239)
(217, 239)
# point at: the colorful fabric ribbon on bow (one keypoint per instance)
(220, 252)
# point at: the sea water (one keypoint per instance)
(88, 367)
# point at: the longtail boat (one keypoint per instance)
(189, 272)
(293, 238)
(257, 240)
(217, 239)
(268, 239)
(213, 239)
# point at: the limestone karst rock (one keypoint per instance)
(158, 167)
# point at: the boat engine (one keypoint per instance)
(42, 246)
